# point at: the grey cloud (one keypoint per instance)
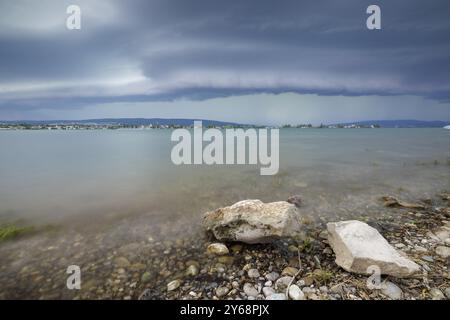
(198, 49)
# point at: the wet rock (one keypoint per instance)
(393, 202)
(392, 291)
(295, 293)
(222, 291)
(253, 273)
(228, 260)
(295, 200)
(218, 249)
(250, 290)
(436, 294)
(192, 270)
(173, 285)
(428, 258)
(252, 221)
(289, 271)
(276, 296)
(146, 277)
(122, 262)
(358, 246)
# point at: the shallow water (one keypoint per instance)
(74, 175)
(105, 190)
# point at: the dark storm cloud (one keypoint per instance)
(164, 49)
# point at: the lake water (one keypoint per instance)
(68, 176)
(98, 196)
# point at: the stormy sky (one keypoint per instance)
(258, 61)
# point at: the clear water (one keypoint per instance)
(67, 176)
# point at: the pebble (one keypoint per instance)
(392, 291)
(273, 276)
(192, 270)
(250, 290)
(282, 283)
(436, 294)
(253, 273)
(173, 285)
(121, 262)
(268, 283)
(276, 296)
(218, 249)
(222, 291)
(295, 293)
(428, 258)
(420, 249)
(267, 291)
(447, 292)
(444, 252)
(146, 276)
(289, 271)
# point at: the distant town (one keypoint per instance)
(160, 123)
(24, 126)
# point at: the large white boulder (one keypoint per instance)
(252, 221)
(358, 246)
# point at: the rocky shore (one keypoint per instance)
(214, 265)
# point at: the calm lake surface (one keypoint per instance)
(113, 203)
(68, 176)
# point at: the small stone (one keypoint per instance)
(282, 283)
(146, 276)
(447, 292)
(420, 249)
(428, 258)
(276, 296)
(295, 200)
(273, 276)
(268, 283)
(253, 273)
(192, 270)
(436, 294)
(399, 245)
(267, 291)
(392, 291)
(295, 293)
(444, 252)
(236, 248)
(250, 290)
(173, 285)
(228, 260)
(122, 262)
(218, 249)
(222, 291)
(323, 234)
(289, 271)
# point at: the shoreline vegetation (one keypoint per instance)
(201, 266)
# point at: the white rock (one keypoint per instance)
(436, 294)
(250, 290)
(222, 291)
(276, 296)
(253, 273)
(268, 283)
(173, 285)
(218, 249)
(358, 246)
(267, 291)
(273, 276)
(392, 291)
(443, 251)
(295, 293)
(252, 221)
(282, 283)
